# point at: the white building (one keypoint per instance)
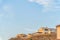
(46, 30)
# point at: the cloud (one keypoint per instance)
(5, 8)
(31, 0)
(28, 29)
(47, 4)
(8, 10)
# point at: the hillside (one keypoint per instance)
(35, 36)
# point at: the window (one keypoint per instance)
(46, 29)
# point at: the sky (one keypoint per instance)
(27, 16)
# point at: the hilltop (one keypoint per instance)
(42, 34)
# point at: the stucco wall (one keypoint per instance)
(58, 32)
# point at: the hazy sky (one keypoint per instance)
(27, 16)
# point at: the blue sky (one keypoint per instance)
(27, 16)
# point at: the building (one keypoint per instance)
(58, 31)
(21, 35)
(46, 30)
(29, 35)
